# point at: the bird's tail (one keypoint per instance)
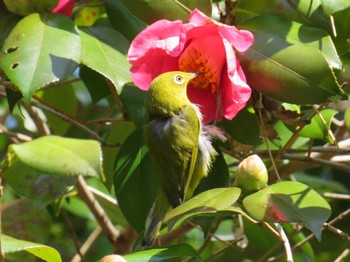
(154, 220)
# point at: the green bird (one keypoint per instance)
(180, 149)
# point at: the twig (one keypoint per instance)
(330, 132)
(337, 196)
(343, 255)
(337, 231)
(261, 120)
(71, 231)
(87, 244)
(65, 117)
(183, 6)
(102, 195)
(285, 242)
(14, 136)
(40, 124)
(116, 99)
(319, 161)
(295, 135)
(338, 218)
(334, 30)
(107, 227)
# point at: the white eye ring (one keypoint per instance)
(178, 79)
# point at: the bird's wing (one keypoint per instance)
(173, 144)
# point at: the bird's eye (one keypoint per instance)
(178, 79)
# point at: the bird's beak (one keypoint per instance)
(193, 75)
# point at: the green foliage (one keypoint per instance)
(69, 111)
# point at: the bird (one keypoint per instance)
(180, 149)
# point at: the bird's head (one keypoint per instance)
(168, 91)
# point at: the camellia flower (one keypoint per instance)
(202, 45)
(64, 7)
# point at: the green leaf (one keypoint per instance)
(330, 6)
(60, 156)
(205, 203)
(347, 118)
(103, 50)
(150, 11)
(116, 134)
(63, 98)
(289, 202)
(297, 237)
(244, 127)
(123, 20)
(296, 33)
(134, 180)
(321, 184)
(134, 103)
(170, 253)
(40, 43)
(320, 126)
(20, 220)
(41, 189)
(11, 245)
(290, 73)
(95, 83)
(306, 12)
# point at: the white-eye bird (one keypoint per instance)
(180, 150)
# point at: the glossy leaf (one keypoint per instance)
(22, 221)
(290, 73)
(63, 98)
(103, 50)
(151, 11)
(134, 103)
(134, 181)
(297, 237)
(244, 127)
(296, 33)
(117, 134)
(41, 189)
(11, 245)
(170, 253)
(95, 83)
(320, 126)
(289, 202)
(307, 12)
(347, 118)
(40, 43)
(330, 6)
(61, 156)
(208, 202)
(123, 20)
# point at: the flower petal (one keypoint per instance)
(163, 34)
(240, 39)
(235, 94)
(64, 7)
(150, 65)
(205, 99)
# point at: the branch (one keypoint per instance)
(285, 242)
(107, 227)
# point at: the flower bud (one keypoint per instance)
(251, 174)
(113, 258)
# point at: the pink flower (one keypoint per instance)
(202, 45)
(64, 7)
